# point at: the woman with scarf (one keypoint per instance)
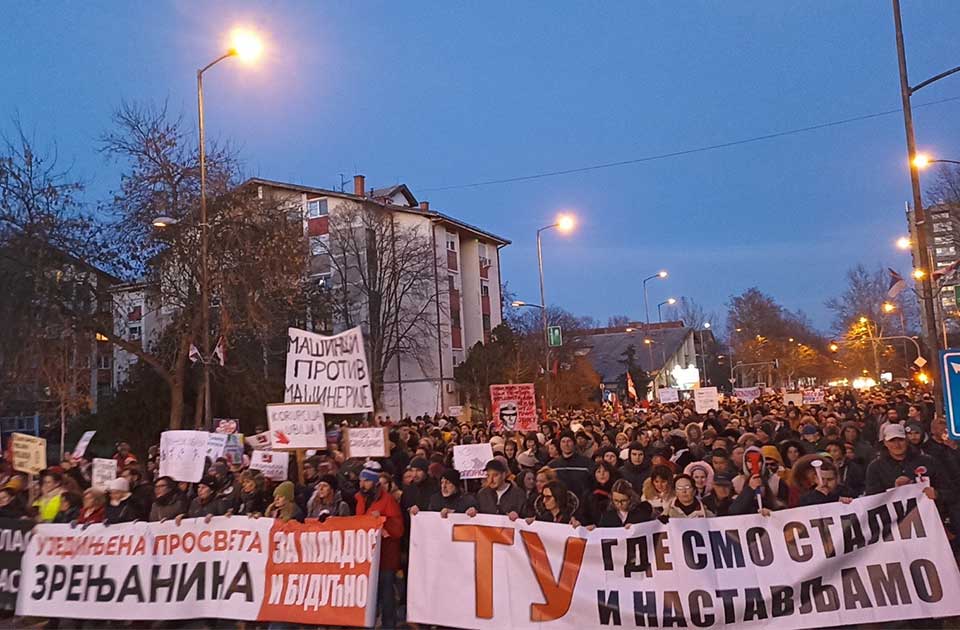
(284, 507)
(122, 507)
(253, 496)
(94, 507)
(657, 490)
(597, 502)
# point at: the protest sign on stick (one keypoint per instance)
(705, 399)
(296, 425)
(366, 442)
(182, 454)
(470, 460)
(104, 471)
(81, 448)
(330, 371)
(514, 407)
(273, 464)
(29, 453)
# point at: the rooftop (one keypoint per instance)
(605, 348)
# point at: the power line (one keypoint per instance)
(664, 156)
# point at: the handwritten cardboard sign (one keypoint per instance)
(367, 442)
(297, 425)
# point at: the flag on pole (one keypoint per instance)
(220, 352)
(195, 354)
(631, 388)
(897, 284)
(946, 272)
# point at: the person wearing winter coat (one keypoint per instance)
(168, 501)
(598, 500)
(449, 498)
(284, 507)
(702, 475)
(94, 507)
(573, 469)
(253, 498)
(122, 507)
(499, 496)
(626, 507)
(206, 503)
(636, 469)
(372, 500)
(657, 489)
(70, 504)
(557, 505)
(685, 503)
(771, 469)
(720, 500)
(326, 500)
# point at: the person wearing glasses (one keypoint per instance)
(685, 503)
(626, 507)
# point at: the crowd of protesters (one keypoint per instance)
(597, 468)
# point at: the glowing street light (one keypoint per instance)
(919, 274)
(668, 302)
(245, 45)
(646, 308)
(888, 307)
(904, 243)
(564, 223)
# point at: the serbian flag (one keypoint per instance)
(195, 354)
(220, 352)
(631, 388)
(897, 284)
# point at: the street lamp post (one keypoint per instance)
(646, 308)
(703, 355)
(668, 301)
(245, 46)
(564, 223)
(919, 213)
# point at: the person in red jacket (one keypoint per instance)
(374, 501)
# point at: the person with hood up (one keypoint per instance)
(168, 501)
(326, 500)
(702, 475)
(372, 500)
(685, 503)
(597, 502)
(850, 474)
(626, 507)
(768, 457)
(449, 498)
(851, 433)
(122, 507)
(284, 506)
(827, 489)
(636, 469)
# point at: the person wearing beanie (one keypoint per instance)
(326, 500)
(168, 501)
(121, 506)
(450, 498)
(374, 501)
(499, 495)
(420, 489)
(573, 469)
(284, 507)
(205, 504)
(636, 469)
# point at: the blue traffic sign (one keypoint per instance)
(950, 377)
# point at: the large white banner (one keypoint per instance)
(231, 568)
(880, 558)
(328, 370)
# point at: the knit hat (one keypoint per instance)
(452, 476)
(208, 481)
(419, 463)
(371, 472)
(330, 480)
(284, 490)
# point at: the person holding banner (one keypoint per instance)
(283, 507)
(94, 507)
(51, 489)
(626, 507)
(168, 502)
(372, 500)
(499, 496)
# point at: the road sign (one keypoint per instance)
(919, 362)
(950, 377)
(554, 338)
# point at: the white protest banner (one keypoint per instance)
(331, 371)
(182, 454)
(454, 410)
(813, 396)
(29, 453)
(82, 444)
(668, 394)
(367, 442)
(216, 442)
(793, 397)
(514, 407)
(296, 425)
(249, 569)
(470, 460)
(747, 394)
(104, 471)
(273, 464)
(881, 558)
(705, 399)
(259, 440)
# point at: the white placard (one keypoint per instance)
(104, 471)
(29, 453)
(259, 441)
(793, 397)
(367, 442)
(471, 459)
(182, 454)
(705, 399)
(273, 464)
(668, 394)
(331, 371)
(747, 394)
(813, 397)
(296, 425)
(82, 444)
(216, 442)
(455, 410)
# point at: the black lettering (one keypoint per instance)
(645, 609)
(197, 577)
(825, 596)
(673, 610)
(41, 586)
(727, 550)
(59, 579)
(823, 526)
(76, 578)
(660, 551)
(106, 587)
(754, 606)
(638, 560)
(852, 533)
(698, 602)
(758, 544)
(242, 583)
(926, 580)
(608, 607)
(694, 560)
(909, 522)
(891, 585)
(880, 526)
(131, 586)
(219, 578)
(854, 593)
(606, 547)
(727, 596)
(793, 531)
(781, 601)
(157, 582)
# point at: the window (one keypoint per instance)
(946, 251)
(133, 332)
(452, 285)
(318, 245)
(316, 208)
(451, 242)
(486, 323)
(941, 227)
(943, 240)
(104, 361)
(484, 289)
(455, 319)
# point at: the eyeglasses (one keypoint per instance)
(684, 488)
(547, 496)
(621, 501)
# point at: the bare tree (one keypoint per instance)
(691, 313)
(383, 280)
(617, 321)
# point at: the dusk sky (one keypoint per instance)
(441, 95)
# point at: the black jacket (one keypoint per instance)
(576, 472)
(128, 511)
(458, 503)
(640, 513)
(882, 472)
(169, 506)
(636, 474)
(513, 500)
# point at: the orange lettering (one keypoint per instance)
(484, 538)
(558, 594)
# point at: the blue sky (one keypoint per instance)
(443, 94)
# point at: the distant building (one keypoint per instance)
(943, 244)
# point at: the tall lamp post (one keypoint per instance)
(703, 354)
(919, 213)
(564, 223)
(646, 308)
(668, 301)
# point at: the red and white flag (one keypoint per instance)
(631, 388)
(897, 284)
(195, 354)
(220, 352)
